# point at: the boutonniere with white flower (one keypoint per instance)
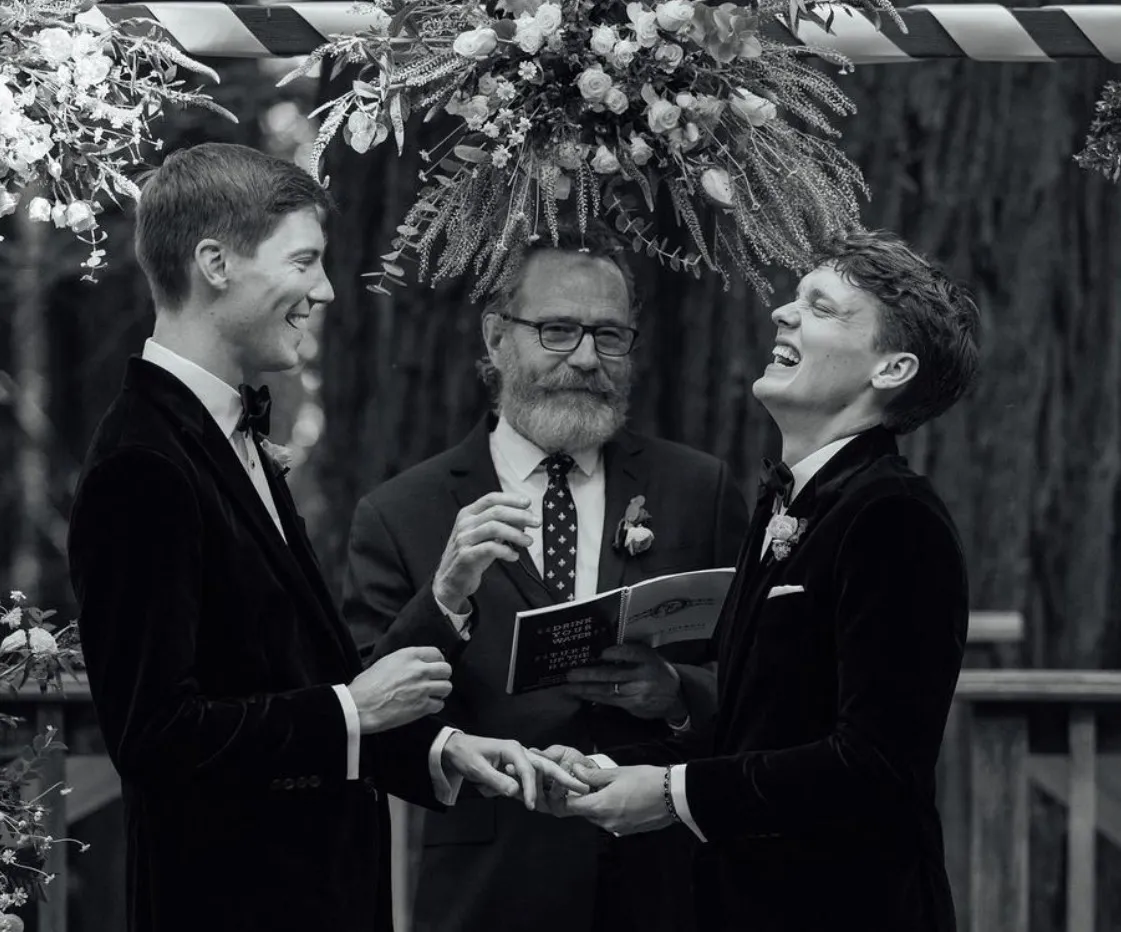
(785, 532)
(633, 533)
(278, 456)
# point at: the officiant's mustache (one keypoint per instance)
(563, 379)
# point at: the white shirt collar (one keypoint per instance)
(220, 399)
(524, 456)
(805, 469)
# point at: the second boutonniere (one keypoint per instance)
(785, 532)
(633, 533)
(278, 457)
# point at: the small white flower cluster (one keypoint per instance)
(76, 100)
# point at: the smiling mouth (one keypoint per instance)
(297, 321)
(785, 356)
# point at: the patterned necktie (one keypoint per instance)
(558, 531)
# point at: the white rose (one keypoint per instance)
(674, 15)
(717, 185)
(528, 35)
(638, 540)
(645, 24)
(624, 52)
(669, 55)
(662, 116)
(751, 108)
(640, 150)
(92, 70)
(603, 40)
(58, 215)
(41, 642)
(13, 617)
(604, 161)
(79, 217)
(476, 43)
(39, 209)
(548, 17)
(56, 45)
(594, 84)
(10, 122)
(616, 101)
(17, 640)
(85, 43)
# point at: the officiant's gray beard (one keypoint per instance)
(565, 409)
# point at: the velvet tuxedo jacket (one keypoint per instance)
(488, 864)
(212, 647)
(837, 666)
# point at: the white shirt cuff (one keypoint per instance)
(683, 727)
(447, 790)
(681, 801)
(602, 761)
(353, 731)
(459, 621)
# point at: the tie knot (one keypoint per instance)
(776, 479)
(558, 465)
(255, 406)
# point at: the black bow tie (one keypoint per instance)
(776, 479)
(255, 405)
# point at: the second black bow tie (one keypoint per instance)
(776, 479)
(255, 406)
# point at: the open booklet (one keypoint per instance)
(550, 641)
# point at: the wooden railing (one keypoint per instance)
(1010, 730)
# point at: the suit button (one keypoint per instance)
(275, 784)
(301, 783)
(289, 783)
(313, 781)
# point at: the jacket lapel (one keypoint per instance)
(177, 402)
(625, 476)
(473, 476)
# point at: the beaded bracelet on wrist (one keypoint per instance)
(667, 794)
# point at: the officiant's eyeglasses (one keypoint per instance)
(563, 336)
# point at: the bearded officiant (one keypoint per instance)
(446, 553)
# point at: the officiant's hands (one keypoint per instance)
(638, 680)
(505, 768)
(400, 688)
(491, 528)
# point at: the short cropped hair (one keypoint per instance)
(922, 312)
(214, 190)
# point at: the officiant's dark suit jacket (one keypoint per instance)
(489, 864)
(817, 800)
(212, 647)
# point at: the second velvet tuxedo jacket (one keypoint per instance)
(212, 648)
(488, 864)
(837, 666)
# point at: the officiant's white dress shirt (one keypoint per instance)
(518, 463)
(223, 403)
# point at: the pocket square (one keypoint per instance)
(784, 590)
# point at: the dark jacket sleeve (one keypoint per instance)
(729, 522)
(385, 608)
(137, 565)
(900, 622)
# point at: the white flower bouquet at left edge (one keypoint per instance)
(32, 648)
(78, 95)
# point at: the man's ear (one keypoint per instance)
(493, 331)
(895, 371)
(212, 260)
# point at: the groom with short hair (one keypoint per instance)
(841, 640)
(253, 749)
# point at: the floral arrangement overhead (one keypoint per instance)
(78, 96)
(33, 649)
(601, 108)
(1103, 145)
